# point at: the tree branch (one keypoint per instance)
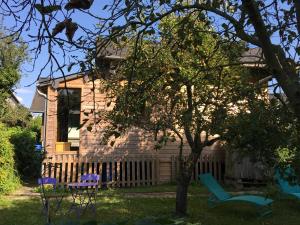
(297, 10)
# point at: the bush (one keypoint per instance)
(9, 180)
(16, 116)
(259, 132)
(28, 162)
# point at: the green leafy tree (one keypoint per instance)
(272, 25)
(12, 55)
(179, 92)
(252, 133)
(35, 125)
(16, 116)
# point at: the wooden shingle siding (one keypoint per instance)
(131, 161)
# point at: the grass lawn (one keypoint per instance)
(122, 206)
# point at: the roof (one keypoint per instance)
(45, 81)
(39, 100)
(111, 51)
(253, 57)
(38, 103)
(13, 98)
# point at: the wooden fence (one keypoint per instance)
(209, 162)
(126, 172)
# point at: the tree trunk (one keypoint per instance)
(283, 71)
(186, 169)
(181, 194)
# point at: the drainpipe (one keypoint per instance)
(45, 116)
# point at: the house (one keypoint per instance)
(12, 100)
(77, 149)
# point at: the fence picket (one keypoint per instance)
(118, 174)
(123, 174)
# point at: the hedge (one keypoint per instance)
(9, 179)
(28, 162)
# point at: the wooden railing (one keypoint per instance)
(125, 172)
(209, 162)
(128, 171)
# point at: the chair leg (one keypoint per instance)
(212, 201)
(264, 211)
(58, 201)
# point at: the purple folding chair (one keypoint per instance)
(46, 197)
(47, 180)
(90, 178)
(85, 193)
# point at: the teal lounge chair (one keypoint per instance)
(285, 186)
(219, 195)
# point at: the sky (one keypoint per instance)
(25, 89)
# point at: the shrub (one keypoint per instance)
(16, 116)
(9, 180)
(259, 132)
(28, 162)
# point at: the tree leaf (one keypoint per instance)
(89, 128)
(70, 66)
(79, 4)
(47, 9)
(59, 27)
(70, 29)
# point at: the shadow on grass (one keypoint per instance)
(117, 209)
(110, 210)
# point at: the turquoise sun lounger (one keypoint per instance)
(285, 186)
(219, 195)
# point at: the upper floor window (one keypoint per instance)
(68, 116)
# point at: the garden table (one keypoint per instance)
(84, 196)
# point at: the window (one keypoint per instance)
(68, 116)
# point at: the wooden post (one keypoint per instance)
(220, 168)
(79, 168)
(138, 173)
(148, 172)
(128, 173)
(143, 171)
(74, 166)
(215, 168)
(90, 166)
(205, 164)
(133, 173)
(153, 181)
(69, 173)
(52, 168)
(108, 172)
(201, 164)
(118, 173)
(210, 161)
(157, 171)
(62, 169)
(100, 172)
(113, 174)
(123, 173)
(196, 170)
